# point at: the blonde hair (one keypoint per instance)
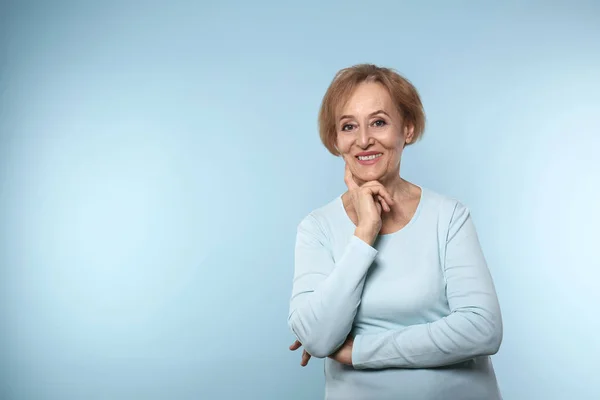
(402, 92)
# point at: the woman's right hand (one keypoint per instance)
(368, 201)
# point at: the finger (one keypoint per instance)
(296, 345)
(377, 196)
(305, 358)
(349, 179)
(376, 188)
(384, 204)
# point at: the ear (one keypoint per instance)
(409, 133)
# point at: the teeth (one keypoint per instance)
(365, 158)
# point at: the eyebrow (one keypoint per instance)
(370, 115)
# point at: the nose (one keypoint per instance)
(364, 138)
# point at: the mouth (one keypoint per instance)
(369, 159)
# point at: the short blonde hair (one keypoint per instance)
(403, 93)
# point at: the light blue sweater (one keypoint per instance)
(420, 304)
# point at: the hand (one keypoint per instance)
(305, 356)
(367, 208)
(344, 354)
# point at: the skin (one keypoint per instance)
(362, 128)
(378, 200)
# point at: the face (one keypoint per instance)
(371, 134)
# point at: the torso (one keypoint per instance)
(405, 286)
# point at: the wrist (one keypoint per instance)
(367, 235)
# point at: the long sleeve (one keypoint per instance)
(326, 294)
(472, 328)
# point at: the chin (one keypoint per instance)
(371, 175)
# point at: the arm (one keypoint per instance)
(326, 295)
(473, 327)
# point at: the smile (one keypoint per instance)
(369, 160)
(371, 157)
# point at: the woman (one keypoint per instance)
(390, 283)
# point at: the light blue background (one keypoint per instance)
(156, 158)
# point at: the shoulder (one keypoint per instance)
(449, 212)
(443, 204)
(324, 219)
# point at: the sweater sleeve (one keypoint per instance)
(326, 294)
(472, 328)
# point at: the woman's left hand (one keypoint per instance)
(343, 355)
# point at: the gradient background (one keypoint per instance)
(156, 158)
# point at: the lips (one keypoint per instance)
(369, 161)
(367, 153)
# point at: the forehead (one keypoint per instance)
(366, 98)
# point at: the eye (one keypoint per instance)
(379, 123)
(347, 127)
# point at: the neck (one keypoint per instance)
(397, 187)
(401, 191)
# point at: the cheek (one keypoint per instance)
(398, 146)
(395, 146)
(343, 145)
(395, 154)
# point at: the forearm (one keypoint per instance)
(322, 317)
(461, 336)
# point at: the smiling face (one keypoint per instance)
(371, 134)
